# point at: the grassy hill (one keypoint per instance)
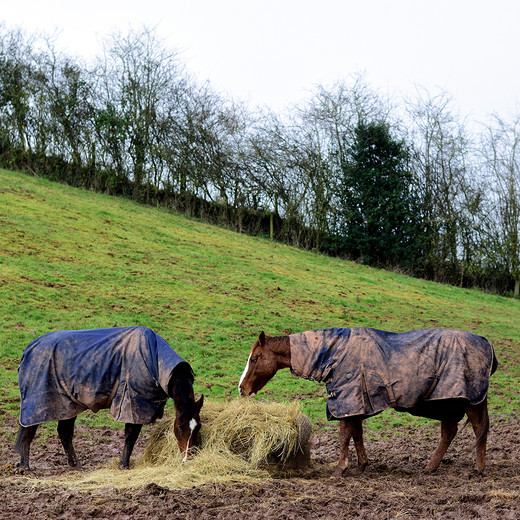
(73, 259)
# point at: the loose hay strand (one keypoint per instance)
(238, 440)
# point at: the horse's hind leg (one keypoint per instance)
(448, 432)
(479, 419)
(357, 435)
(23, 443)
(66, 434)
(348, 429)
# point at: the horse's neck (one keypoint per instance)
(312, 353)
(281, 347)
(180, 388)
(184, 399)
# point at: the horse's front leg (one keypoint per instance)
(344, 441)
(357, 435)
(348, 429)
(132, 432)
(66, 434)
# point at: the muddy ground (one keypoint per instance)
(393, 486)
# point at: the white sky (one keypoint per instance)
(274, 52)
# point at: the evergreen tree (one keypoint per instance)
(381, 220)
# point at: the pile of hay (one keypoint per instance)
(240, 440)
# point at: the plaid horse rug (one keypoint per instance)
(367, 371)
(125, 369)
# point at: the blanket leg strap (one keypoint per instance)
(389, 389)
(365, 386)
(391, 395)
(436, 378)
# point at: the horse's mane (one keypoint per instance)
(180, 389)
(278, 344)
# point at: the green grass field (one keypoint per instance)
(73, 259)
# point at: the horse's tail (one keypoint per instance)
(495, 363)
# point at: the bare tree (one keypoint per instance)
(17, 68)
(65, 94)
(502, 158)
(137, 73)
(442, 148)
(270, 167)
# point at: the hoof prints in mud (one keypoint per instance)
(394, 487)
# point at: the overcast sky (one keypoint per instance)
(274, 52)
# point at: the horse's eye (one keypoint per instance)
(253, 360)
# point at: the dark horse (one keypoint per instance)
(130, 370)
(435, 373)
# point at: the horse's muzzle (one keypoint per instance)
(243, 394)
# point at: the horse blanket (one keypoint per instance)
(125, 369)
(367, 371)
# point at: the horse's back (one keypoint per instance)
(123, 369)
(375, 370)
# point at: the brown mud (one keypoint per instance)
(393, 486)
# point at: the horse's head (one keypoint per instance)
(187, 426)
(267, 356)
(187, 410)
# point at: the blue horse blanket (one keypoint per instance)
(367, 371)
(125, 369)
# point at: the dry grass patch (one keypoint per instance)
(241, 440)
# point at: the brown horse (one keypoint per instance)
(435, 373)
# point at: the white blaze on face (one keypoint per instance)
(243, 375)
(192, 424)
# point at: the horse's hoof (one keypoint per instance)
(18, 469)
(430, 469)
(338, 473)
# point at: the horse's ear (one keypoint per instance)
(261, 338)
(200, 402)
